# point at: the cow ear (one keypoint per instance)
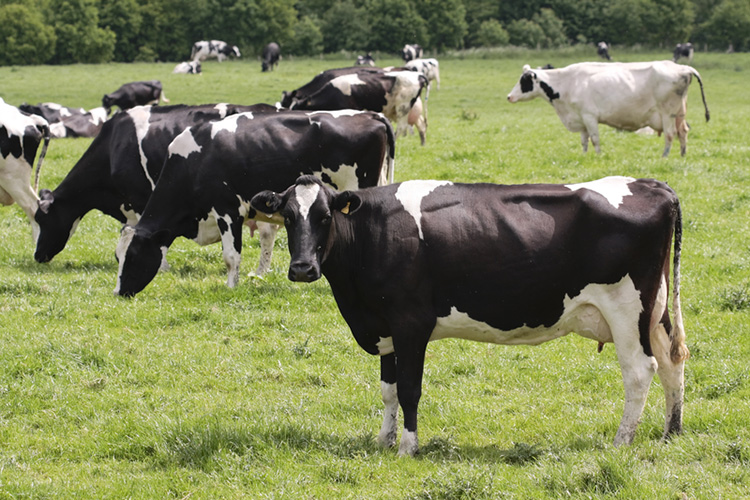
(347, 202)
(267, 202)
(526, 67)
(45, 200)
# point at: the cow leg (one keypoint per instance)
(670, 129)
(231, 244)
(266, 236)
(410, 353)
(682, 133)
(592, 130)
(387, 436)
(585, 141)
(671, 375)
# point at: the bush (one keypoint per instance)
(308, 40)
(492, 34)
(24, 39)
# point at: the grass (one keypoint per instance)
(192, 390)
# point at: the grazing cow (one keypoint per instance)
(683, 50)
(135, 94)
(119, 170)
(289, 99)
(430, 68)
(411, 52)
(68, 122)
(20, 136)
(396, 94)
(214, 169)
(366, 60)
(188, 68)
(602, 49)
(271, 55)
(626, 96)
(216, 49)
(425, 260)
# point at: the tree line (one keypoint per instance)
(97, 31)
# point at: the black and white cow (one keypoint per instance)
(430, 68)
(289, 99)
(396, 94)
(626, 96)
(411, 52)
(188, 68)
(20, 136)
(68, 122)
(270, 56)
(420, 261)
(602, 50)
(683, 50)
(366, 60)
(117, 173)
(214, 169)
(135, 94)
(215, 49)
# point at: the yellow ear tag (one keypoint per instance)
(345, 210)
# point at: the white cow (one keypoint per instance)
(626, 96)
(213, 48)
(20, 135)
(430, 68)
(188, 68)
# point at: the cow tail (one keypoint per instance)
(387, 174)
(700, 82)
(44, 128)
(679, 351)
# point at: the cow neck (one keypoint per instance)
(336, 255)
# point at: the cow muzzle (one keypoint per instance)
(303, 271)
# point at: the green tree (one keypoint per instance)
(554, 35)
(394, 23)
(526, 33)
(345, 27)
(24, 38)
(123, 18)
(307, 40)
(491, 34)
(673, 24)
(79, 37)
(624, 22)
(729, 25)
(446, 23)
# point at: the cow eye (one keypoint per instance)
(326, 219)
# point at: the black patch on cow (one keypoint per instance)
(527, 82)
(9, 144)
(551, 94)
(222, 225)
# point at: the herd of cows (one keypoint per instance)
(409, 262)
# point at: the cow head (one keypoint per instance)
(532, 84)
(139, 255)
(107, 103)
(55, 227)
(309, 208)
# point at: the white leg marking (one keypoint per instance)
(409, 444)
(387, 436)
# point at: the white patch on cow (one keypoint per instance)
(126, 238)
(58, 130)
(345, 177)
(131, 215)
(389, 429)
(222, 109)
(140, 116)
(614, 189)
(184, 144)
(306, 196)
(208, 230)
(16, 122)
(344, 83)
(337, 112)
(589, 314)
(228, 124)
(98, 115)
(409, 444)
(410, 194)
(385, 345)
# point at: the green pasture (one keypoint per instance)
(192, 390)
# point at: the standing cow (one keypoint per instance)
(213, 49)
(270, 56)
(214, 169)
(396, 94)
(291, 98)
(134, 94)
(366, 60)
(411, 52)
(683, 50)
(430, 68)
(626, 96)
(602, 49)
(117, 173)
(20, 136)
(420, 261)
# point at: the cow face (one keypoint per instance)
(532, 84)
(308, 208)
(55, 229)
(139, 256)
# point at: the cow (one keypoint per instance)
(602, 50)
(411, 52)
(683, 50)
(366, 60)
(135, 94)
(626, 96)
(270, 56)
(215, 49)
(68, 122)
(20, 137)
(289, 99)
(188, 68)
(396, 94)
(214, 169)
(420, 261)
(430, 68)
(119, 170)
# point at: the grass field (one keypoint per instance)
(192, 390)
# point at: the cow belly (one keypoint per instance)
(208, 232)
(589, 314)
